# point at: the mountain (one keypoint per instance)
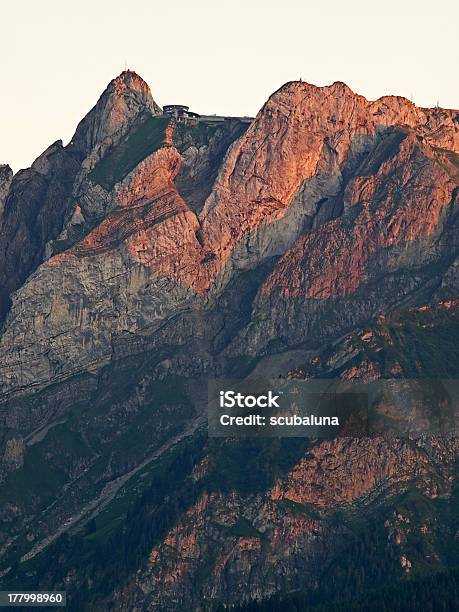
(318, 240)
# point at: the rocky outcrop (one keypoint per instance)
(387, 214)
(6, 176)
(256, 546)
(400, 211)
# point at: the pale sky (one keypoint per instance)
(217, 56)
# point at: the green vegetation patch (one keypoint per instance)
(140, 142)
(39, 480)
(243, 528)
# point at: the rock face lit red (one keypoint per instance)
(402, 201)
(283, 148)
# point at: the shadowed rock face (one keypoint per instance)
(160, 252)
(35, 208)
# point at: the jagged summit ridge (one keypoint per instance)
(338, 102)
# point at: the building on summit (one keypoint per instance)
(182, 114)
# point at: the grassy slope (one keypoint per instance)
(141, 142)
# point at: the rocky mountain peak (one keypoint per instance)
(125, 99)
(6, 174)
(42, 163)
(129, 80)
(315, 179)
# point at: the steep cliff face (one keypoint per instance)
(159, 255)
(34, 211)
(393, 244)
(202, 149)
